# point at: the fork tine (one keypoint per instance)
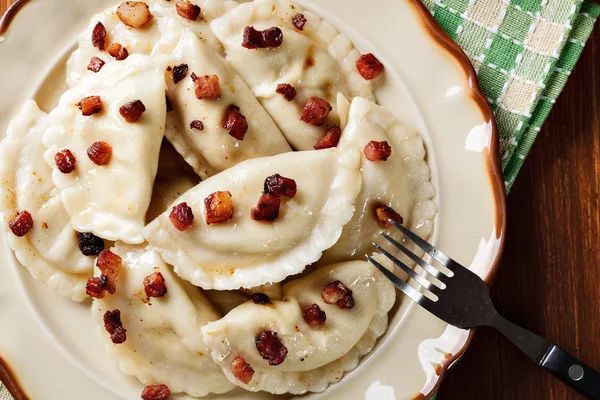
(438, 255)
(409, 291)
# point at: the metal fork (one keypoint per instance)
(460, 298)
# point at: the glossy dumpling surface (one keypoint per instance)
(50, 250)
(163, 344)
(242, 252)
(315, 357)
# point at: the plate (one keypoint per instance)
(52, 350)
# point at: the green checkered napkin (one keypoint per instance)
(523, 52)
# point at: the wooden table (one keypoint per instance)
(549, 280)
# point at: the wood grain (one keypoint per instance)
(549, 280)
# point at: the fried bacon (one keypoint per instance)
(21, 224)
(270, 347)
(65, 161)
(299, 20)
(109, 265)
(182, 216)
(117, 51)
(95, 64)
(179, 72)
(280, 186)
(154, 285)
(315, 111)
(100, 153)
(134, 13)
(218, 207)
(242, 370)
(267, 208)
(314, 316)
(89, 244)
(385, 214)
(90, 105)
(114, 326)
(376, 151)
(156, 392)
(331, 138)
(369, 66)
(187, 10)
(132, 111)
(207, 86)
(337, 293)
(235, 123)
(269, 38)
(287, 91)
(99, 36)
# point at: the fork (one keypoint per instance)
(459, 297)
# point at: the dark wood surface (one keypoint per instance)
(549, 280)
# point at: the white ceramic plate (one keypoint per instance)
(49, 346)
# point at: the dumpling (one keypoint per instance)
(109, 194)
(316, 61)
(243, 252)
(163, 343)
(291, 346)
(402, 182)
(50, 250)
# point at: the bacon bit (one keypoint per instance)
(369, 66)
(156, 392)
(314, 316)
(299, 20)
(134, 13)
(114, 326)
(267, 208)
(154, 285)
(179, 72)
(270, 347)
(197, 124)
(100, 153)
(182, 216)
(169, 105)
(118, 52)
(331, 138)
(375, 151)
(260, 298)
(96, 287)
(337, 292)
(254, 39)
(218, 207)
(89, 244)
(21, 224)
(65, 161)
(235, 123)
(90, 105)
(132, 111)
(242, 370)
(99, 36)
(187, 10)
(315, 111)
(287, 90)
(95, 64)
(278, 185)
(207, 86)
(384, 214)
(109, 264)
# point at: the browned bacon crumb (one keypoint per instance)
(100, 153)
(299, 20)
(90, 105)
(235, 123)
(287, 91)
(109, 264)
(156, 392)
(369, 66)
(375, 151)
(207, 86)
(99, 36)
(242, 370)
(196, 124)
(96, 287)
(267, 208)
(337, 293)
(65, 161)
(114, 326)
(314, 316)
(21, 224)
(132, 111)
(187, 10)
(218, 207)
(95, 64)
(280, 186)
(117, 51)
(134, 13)
(89, 244)
(385, 214)
(331, 138)
(254, 39)
(260, 298)
(182, 216)
(179, 72)
(315, 111)
(270, 347)
(154, 285)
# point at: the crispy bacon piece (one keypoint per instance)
(369, 66)
(280, 186)
(315, 111)
(21, 224)
(95, 64)
(100, 153)
(179, 72)
(65, 161)
(118, 52)
(89, 244)
(242, 370)
(109, 264)
(299, 20)
(90, 105)
(218, 207)
(207, 86)
(235, 123)
(134, 13)
(154, 285)
(385, 214)
(314, 316)
(132, 111)
(114, 326)
(187, 10)
(197, 124)
(270, 347)
(337, 293)
(331, 138)
(254, 39)
(182, 216)
(375, 151)
(99, 36)
(260, 298)
(287, 91)
(96, 287)
(267, 208)
(156, 392)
